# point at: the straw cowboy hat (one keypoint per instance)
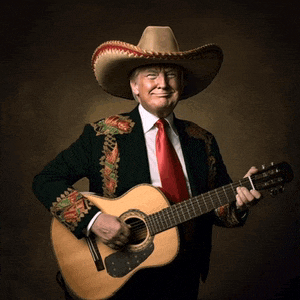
(113, 61)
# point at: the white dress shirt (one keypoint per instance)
(150, 131)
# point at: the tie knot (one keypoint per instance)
(161, 124)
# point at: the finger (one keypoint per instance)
(251, 171)
(239, 202)
(119, 244)
(256, 194)
(242, 197)
(242, 204)
(122, 238)
(116, 245)
(125, 230)
(113, 246)
(246, 198)
(245, 194)
(119, 236)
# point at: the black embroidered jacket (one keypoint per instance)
(112, 154)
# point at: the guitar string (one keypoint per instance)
(141, 230)
(190, 203)
(190, 208)
(186, 208)
(163, 219)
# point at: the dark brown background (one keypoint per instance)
(48, 93)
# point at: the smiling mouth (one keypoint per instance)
(162, 95)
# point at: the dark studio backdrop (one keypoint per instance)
(48, 92)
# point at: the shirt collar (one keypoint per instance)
(148, 120)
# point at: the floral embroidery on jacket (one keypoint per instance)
(70, 207)
(109, 161)
(113, 125)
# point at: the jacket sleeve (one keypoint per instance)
(227, 215)
(53, 186)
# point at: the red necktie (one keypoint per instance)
(170, 170)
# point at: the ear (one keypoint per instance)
(134, 87)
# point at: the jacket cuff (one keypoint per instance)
(231, 216)
(74, 211)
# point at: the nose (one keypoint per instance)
(162, 81)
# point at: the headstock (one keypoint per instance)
(273, 178)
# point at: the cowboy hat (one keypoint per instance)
(113, 61)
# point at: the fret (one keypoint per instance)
(162, 219)
(173, 217)
(216, 191)
(209, 194)
(153, 224)
(195, 214)
(176, 210)
(160, 222)
(157, 220)
(210, 206)
(193, 210)
(225, 193)
(149, 224)
(180, 212)
(198, 204)
(246, 183)
(165, 217)
(187, 209)
(205, 203)
(233, 190)
(195, 207)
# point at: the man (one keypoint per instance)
(122, 151)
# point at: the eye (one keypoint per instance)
(151, 75)
(172, 74)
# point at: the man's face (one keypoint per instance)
(158, 88)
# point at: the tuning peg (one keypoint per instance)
(263, 166)
(272, 163)
(277, 190)
(273, 192)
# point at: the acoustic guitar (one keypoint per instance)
(92, 270)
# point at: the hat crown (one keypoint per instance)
(158, 39)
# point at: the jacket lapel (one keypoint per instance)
(133, 165)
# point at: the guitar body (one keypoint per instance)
(75, 259)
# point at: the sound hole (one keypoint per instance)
(138, 230)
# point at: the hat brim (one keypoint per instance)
(114, 61)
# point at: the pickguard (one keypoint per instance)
(121, 263)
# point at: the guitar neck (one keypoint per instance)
(194, 207)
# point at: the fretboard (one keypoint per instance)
(194, 207)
